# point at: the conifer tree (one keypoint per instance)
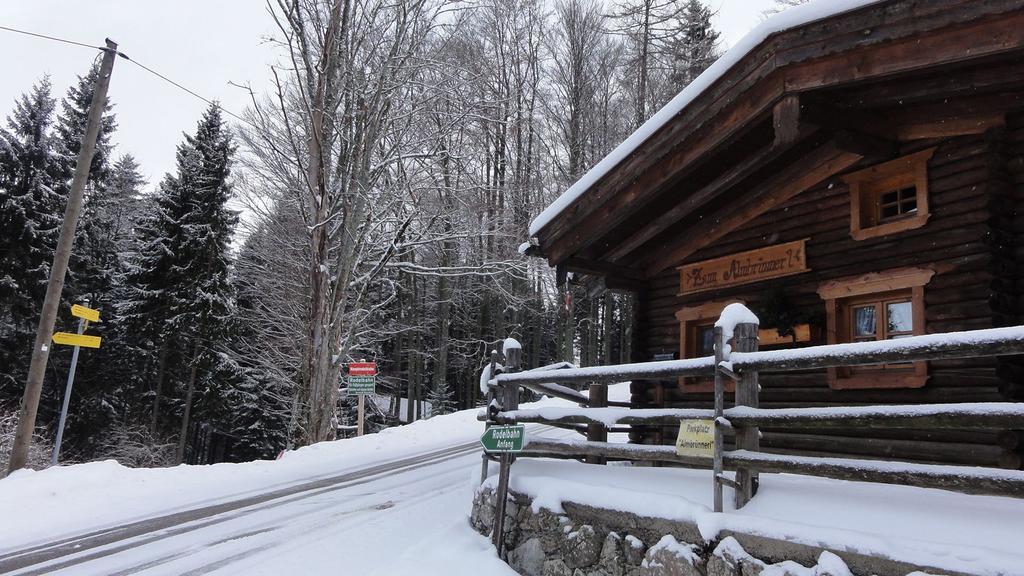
(94, 269)
(94, 260)
(696, 47)
(30, 210)
(180, 297)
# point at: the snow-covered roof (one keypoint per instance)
(790, 18)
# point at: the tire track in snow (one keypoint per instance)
(80, 549)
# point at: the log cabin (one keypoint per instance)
(851, 172)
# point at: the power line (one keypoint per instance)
(54, 38)
(140, 65)
(186, 90)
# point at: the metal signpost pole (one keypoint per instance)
(362, 414)
(82, 323)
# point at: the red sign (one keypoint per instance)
(362, 368)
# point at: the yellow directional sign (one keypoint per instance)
(69, 339)
(87, 313)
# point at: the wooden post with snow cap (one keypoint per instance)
(738, 324)
(719, 412)
(747, 392)
(510, 401)
(489, 391)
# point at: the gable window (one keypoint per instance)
(889, 197)
(877, 306)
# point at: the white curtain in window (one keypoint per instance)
(864, 320)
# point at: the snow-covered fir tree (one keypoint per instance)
(696, 47)
(30, 215)
(179, 294)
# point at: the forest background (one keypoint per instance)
(385, 185)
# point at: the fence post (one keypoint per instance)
(485, 457)
(719, 410)
(747, 392)
(597, 432)
(510, 401)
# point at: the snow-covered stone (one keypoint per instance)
(611, 560)
(730, 559)
(669, 557)
(633, 550)
(582, 547)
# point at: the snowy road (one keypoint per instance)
(400, 511)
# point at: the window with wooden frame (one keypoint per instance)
(877, 306)
(697, 339)
(889, 197)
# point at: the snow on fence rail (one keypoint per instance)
(968, 344)
(745, 419)
(1009, 415)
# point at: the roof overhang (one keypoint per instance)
(799, 107)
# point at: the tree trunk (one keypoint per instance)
(183, 436)
(160, 371)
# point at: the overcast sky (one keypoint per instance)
(203, 44)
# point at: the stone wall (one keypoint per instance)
(588, 541)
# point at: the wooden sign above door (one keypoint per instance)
(743, 267)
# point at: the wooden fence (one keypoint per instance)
(594, 418)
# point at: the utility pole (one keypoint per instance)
(41, 348)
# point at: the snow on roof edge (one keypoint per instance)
(796, 16)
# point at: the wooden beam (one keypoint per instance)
(820, 164)
(824, 114)
(865, 144)
(967, 479)
(786, 119)
(949, 127)
(603, 269)
(995, 415)
(689, 203)
(913, 52)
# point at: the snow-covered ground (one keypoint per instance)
(407, 521)
(398, 501)
(972, 534)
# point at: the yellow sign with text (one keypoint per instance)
(69, 339)
(696, 438)
(86, 313)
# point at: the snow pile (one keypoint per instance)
(952, 531)
(790, 18)
(510, 344)
(486, 376)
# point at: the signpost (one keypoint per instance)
(696, 438)
(362, 380)
(504, 439)
(78, 340)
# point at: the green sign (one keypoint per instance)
(504, 438)
(362, 385)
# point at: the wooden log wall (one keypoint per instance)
(973, 239)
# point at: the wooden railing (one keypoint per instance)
(745, 419)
